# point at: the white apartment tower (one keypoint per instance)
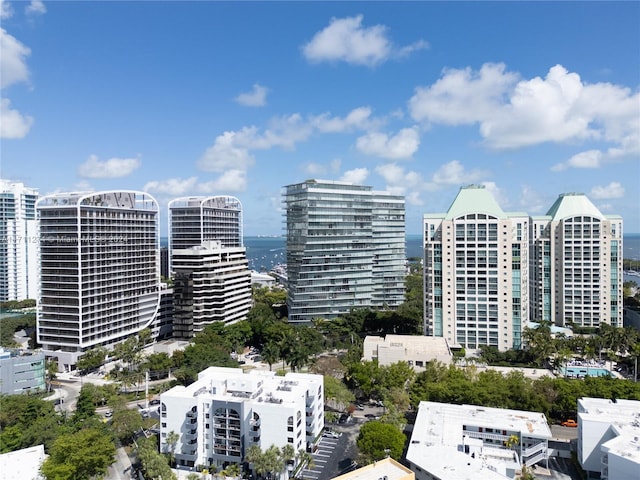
(223, 413)
(100, 270)
(211, 284)
(193, 220)
(18, 242)
(476, 272)
(345, 249)
(576, 264)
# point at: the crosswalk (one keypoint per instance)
(321, 456)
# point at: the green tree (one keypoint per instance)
(79, 456)
(172, 441)
(378, 440)
(91, 359)
(337, 393)
(154, 464)
(125, 423)
(271, 353)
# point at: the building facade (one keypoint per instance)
(21, 373)
(100, 270)
(345, 249)
(218, 417)
(450, 442)
(193, 220)
(18, 242)
(476, 272)
(212, 283)
(576, 264)
(609, 438)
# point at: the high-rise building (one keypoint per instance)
(193, 220)
(18, 242)
(345, 249)
(100, 270)
(476, 272)
(211, 284)
(576, 264)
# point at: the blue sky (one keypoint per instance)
(419, 98)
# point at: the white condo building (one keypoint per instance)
(576, 264)
(193, 220)
(18, 242)
(218, 417)
(100, 270)
(212, 283)
(476, 272)
(453, 442)
(345, 249)
(609, 437)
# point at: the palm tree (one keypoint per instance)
(287, 455)
(305, 460)
(172, 441)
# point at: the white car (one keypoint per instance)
(331, 434)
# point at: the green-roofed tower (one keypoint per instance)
(576, 264)
(476, 278)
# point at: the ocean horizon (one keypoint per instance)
(266, 251)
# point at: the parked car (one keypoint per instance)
(371, 416)
(359, 407)
(108, 414)
(344, 418)
(331, 434)
(570, 423)
(155, 401)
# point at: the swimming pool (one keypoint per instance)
(586, 371)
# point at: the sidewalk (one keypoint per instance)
(121, 468)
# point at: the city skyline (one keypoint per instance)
(417, 98)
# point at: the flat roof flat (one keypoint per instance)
(387, 468)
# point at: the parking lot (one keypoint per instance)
(334, 456)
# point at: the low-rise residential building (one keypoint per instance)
(218, 417)
(451, 442)
(609, 437)
(385, 469)
(21, 372)
(416, 350)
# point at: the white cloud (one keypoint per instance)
(399, 182)
(13, 66)
(255, 98)
(319, 170)
(357, 119)
(499, 194)
(233, 149)
(233, 180)
(613, 190)
(12, 123)
(588, 159)
(453, 173)
(401, 146)
(173, 186)
(36, 7)
(225, 153)
(462, 97)
(512, 112)
(531, 201)
(357, 176)
(6, 10)
(112, 168)
(347, 40)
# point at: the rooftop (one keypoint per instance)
(441, 423)
(573, 204)
(386, 469)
